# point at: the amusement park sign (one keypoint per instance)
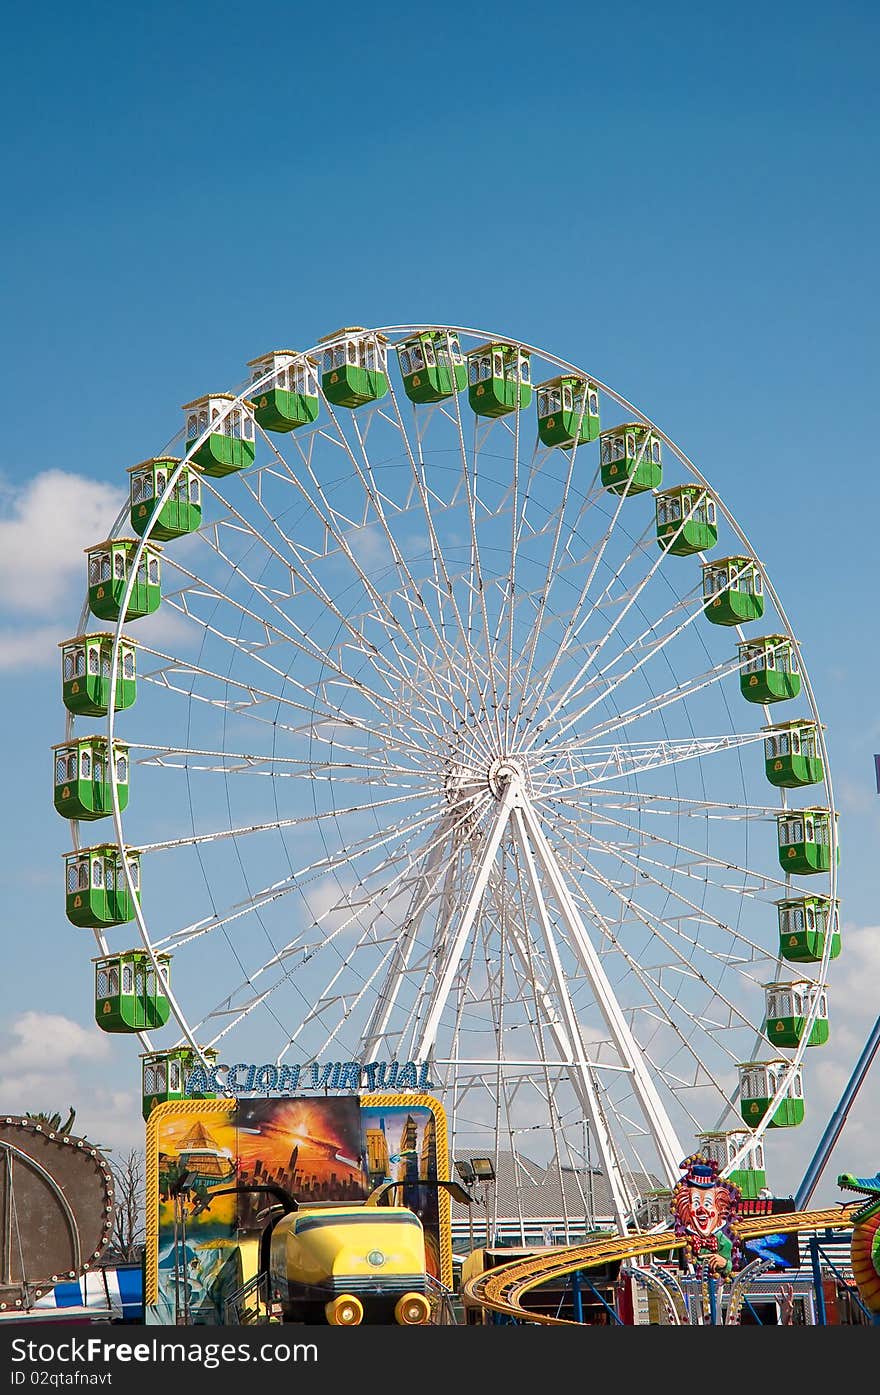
(245, 1079)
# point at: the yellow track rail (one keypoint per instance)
(503, 1289)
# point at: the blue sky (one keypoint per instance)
(679, 199)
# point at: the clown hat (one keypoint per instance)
(700, 1172)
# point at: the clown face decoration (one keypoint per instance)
(704, 1206)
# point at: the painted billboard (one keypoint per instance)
(204, 1241)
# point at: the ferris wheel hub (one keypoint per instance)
(500, 774)
(464, 782)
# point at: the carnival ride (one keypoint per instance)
(865, 1248)
(345, 1264)
(56, 1210)
(446, 752)
(506, 1289)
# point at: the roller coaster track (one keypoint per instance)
(502, 1290)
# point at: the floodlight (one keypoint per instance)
(484, 1169)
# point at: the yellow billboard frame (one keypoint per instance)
(222, 1110)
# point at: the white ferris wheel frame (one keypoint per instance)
(514, 810)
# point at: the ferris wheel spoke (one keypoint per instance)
(329, 999)
(657, 703)
(544, 683)
(461, 994)
(400, 965)
(644, 802)
(377, 902)
(693, 869)
(391, 628)
(477, 587)
(357, 894)
(442, 579)
(322, 867)
(622, 602)
(605, 596)
(301, 820)
(256, 696)
(447, 968)
(363, 469)
(511, 576)
(667, 932)
(326, 724)
(339, 771)
(699, 858)
(600, 764)
(326, 729)
(381, 703)
(617, 680)
(657, 647)
(238, 1010)
(366, 650)
(304, 574)
(293, 635)
(541, 608)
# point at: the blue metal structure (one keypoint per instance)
(837, 1121)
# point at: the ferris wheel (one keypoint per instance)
(466, 729)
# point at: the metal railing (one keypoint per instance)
(248, 1306)
(446, 1307)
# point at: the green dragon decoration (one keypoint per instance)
(865, 1248)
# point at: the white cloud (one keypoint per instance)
(33, 647)
(44, 1040)
(51, 1064)
(166, 629)
(47, 524)
(50, 520)
(852, 979)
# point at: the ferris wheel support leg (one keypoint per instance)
(453, 958)
(668, 1147)
(569, 1041)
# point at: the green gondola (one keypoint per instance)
(129, 994)
(180, 514)
(568, 411)
(686, 518)
(229, 445)
(804, 925)
(289, 399)
(733, 591)
(768, 669)
(787, 1008)
(758, 1083)
(791, 754)
(432, 365)
(96, 888)
(85, 674)
(499, 379)
(631, 458)
(355, 367)
(804, 838)
(109, 565)
(82, 777)
(722, 1147)
(164, 1075)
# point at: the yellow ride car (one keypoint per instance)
(350, 1264)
